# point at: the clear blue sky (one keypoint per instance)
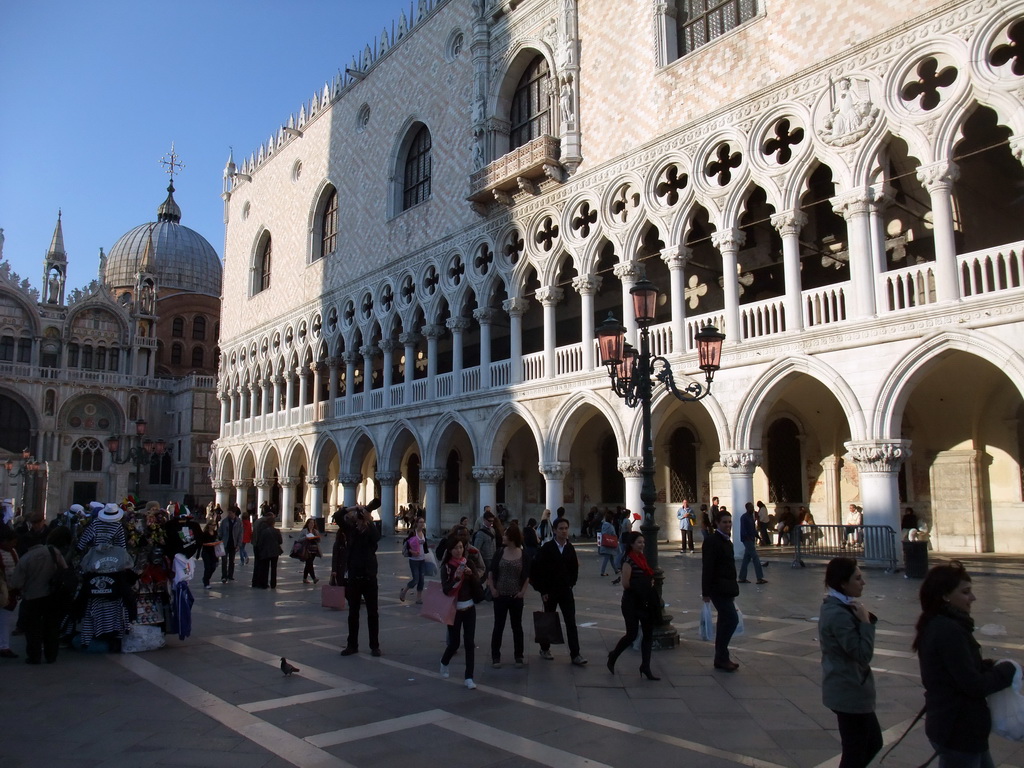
(92, 93)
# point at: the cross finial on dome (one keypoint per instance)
(172, 163)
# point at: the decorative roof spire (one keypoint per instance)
(169, 210)
(57, 242)
(146, 262)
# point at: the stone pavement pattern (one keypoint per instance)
(219, 698)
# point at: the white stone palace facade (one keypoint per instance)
(417, 259)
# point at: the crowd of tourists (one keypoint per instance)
(98, 577)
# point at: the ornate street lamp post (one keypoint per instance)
(631, 373)
(28, 469)
(144, 453)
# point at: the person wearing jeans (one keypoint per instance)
(507, 578)
(748, 537)
(416, 544)
(459, 578)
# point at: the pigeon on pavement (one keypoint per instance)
(287, 668)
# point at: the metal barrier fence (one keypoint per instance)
(874, 544)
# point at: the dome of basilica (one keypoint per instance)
(183, 260)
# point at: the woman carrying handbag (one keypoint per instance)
(639, 600)
(458, 578)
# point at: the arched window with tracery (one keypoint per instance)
(199, 328)
(328, 225)
(264, 254)
(176, 354)
(197, 357)
(87, 455)
(416, 187)
(530, 114)
(178, 327)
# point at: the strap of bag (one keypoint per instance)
(900, 739)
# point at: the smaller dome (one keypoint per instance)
(182, 259)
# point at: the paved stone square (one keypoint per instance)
(219, 698)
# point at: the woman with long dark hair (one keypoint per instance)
(846, 634)
(507, 577)
(639, 603)
(459, 578)
(956, 678)
(310, 550)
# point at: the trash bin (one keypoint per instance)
(915, 559)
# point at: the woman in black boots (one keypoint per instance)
(639, 603)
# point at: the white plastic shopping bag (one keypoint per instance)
(1007, 708)
(707, 630)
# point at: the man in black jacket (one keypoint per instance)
(360, 574)
(718, 586)
(554, 575)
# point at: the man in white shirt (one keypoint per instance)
(686, 520)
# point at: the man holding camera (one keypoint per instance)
(357, 570)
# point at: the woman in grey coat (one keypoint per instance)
(846, 633)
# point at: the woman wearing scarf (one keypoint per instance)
(639, 602)
(846, 634)
(956, 678)
(458, 578)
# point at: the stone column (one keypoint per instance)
(243, 404)
(409, 340)
(332, 383)
(676, 259)
(349, 359)
(629, 273)
(789, 224)
(387, 348)
(485, 318)
(316, 495)
(241, 486)
(741, 466)
(728, 243)
(433, 333)
(487, 478)
(879, 462)
(368, 351)
(303, 375)
(830, 477)
(549, 296)
(432, 479)
(222, 493)
(289, 391)
(288, 501)
(278, 383)
(458, 326)
(959, 522)
(388, 481)
(262, 493)
(266, 400)
(225, 411)
(554, 474)
(938, 179)
(855, 207)
(314, 368)
(632, 468)
(586, 286)
(350, 488)
(235, 395)
(254, 400)
(515, 309)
